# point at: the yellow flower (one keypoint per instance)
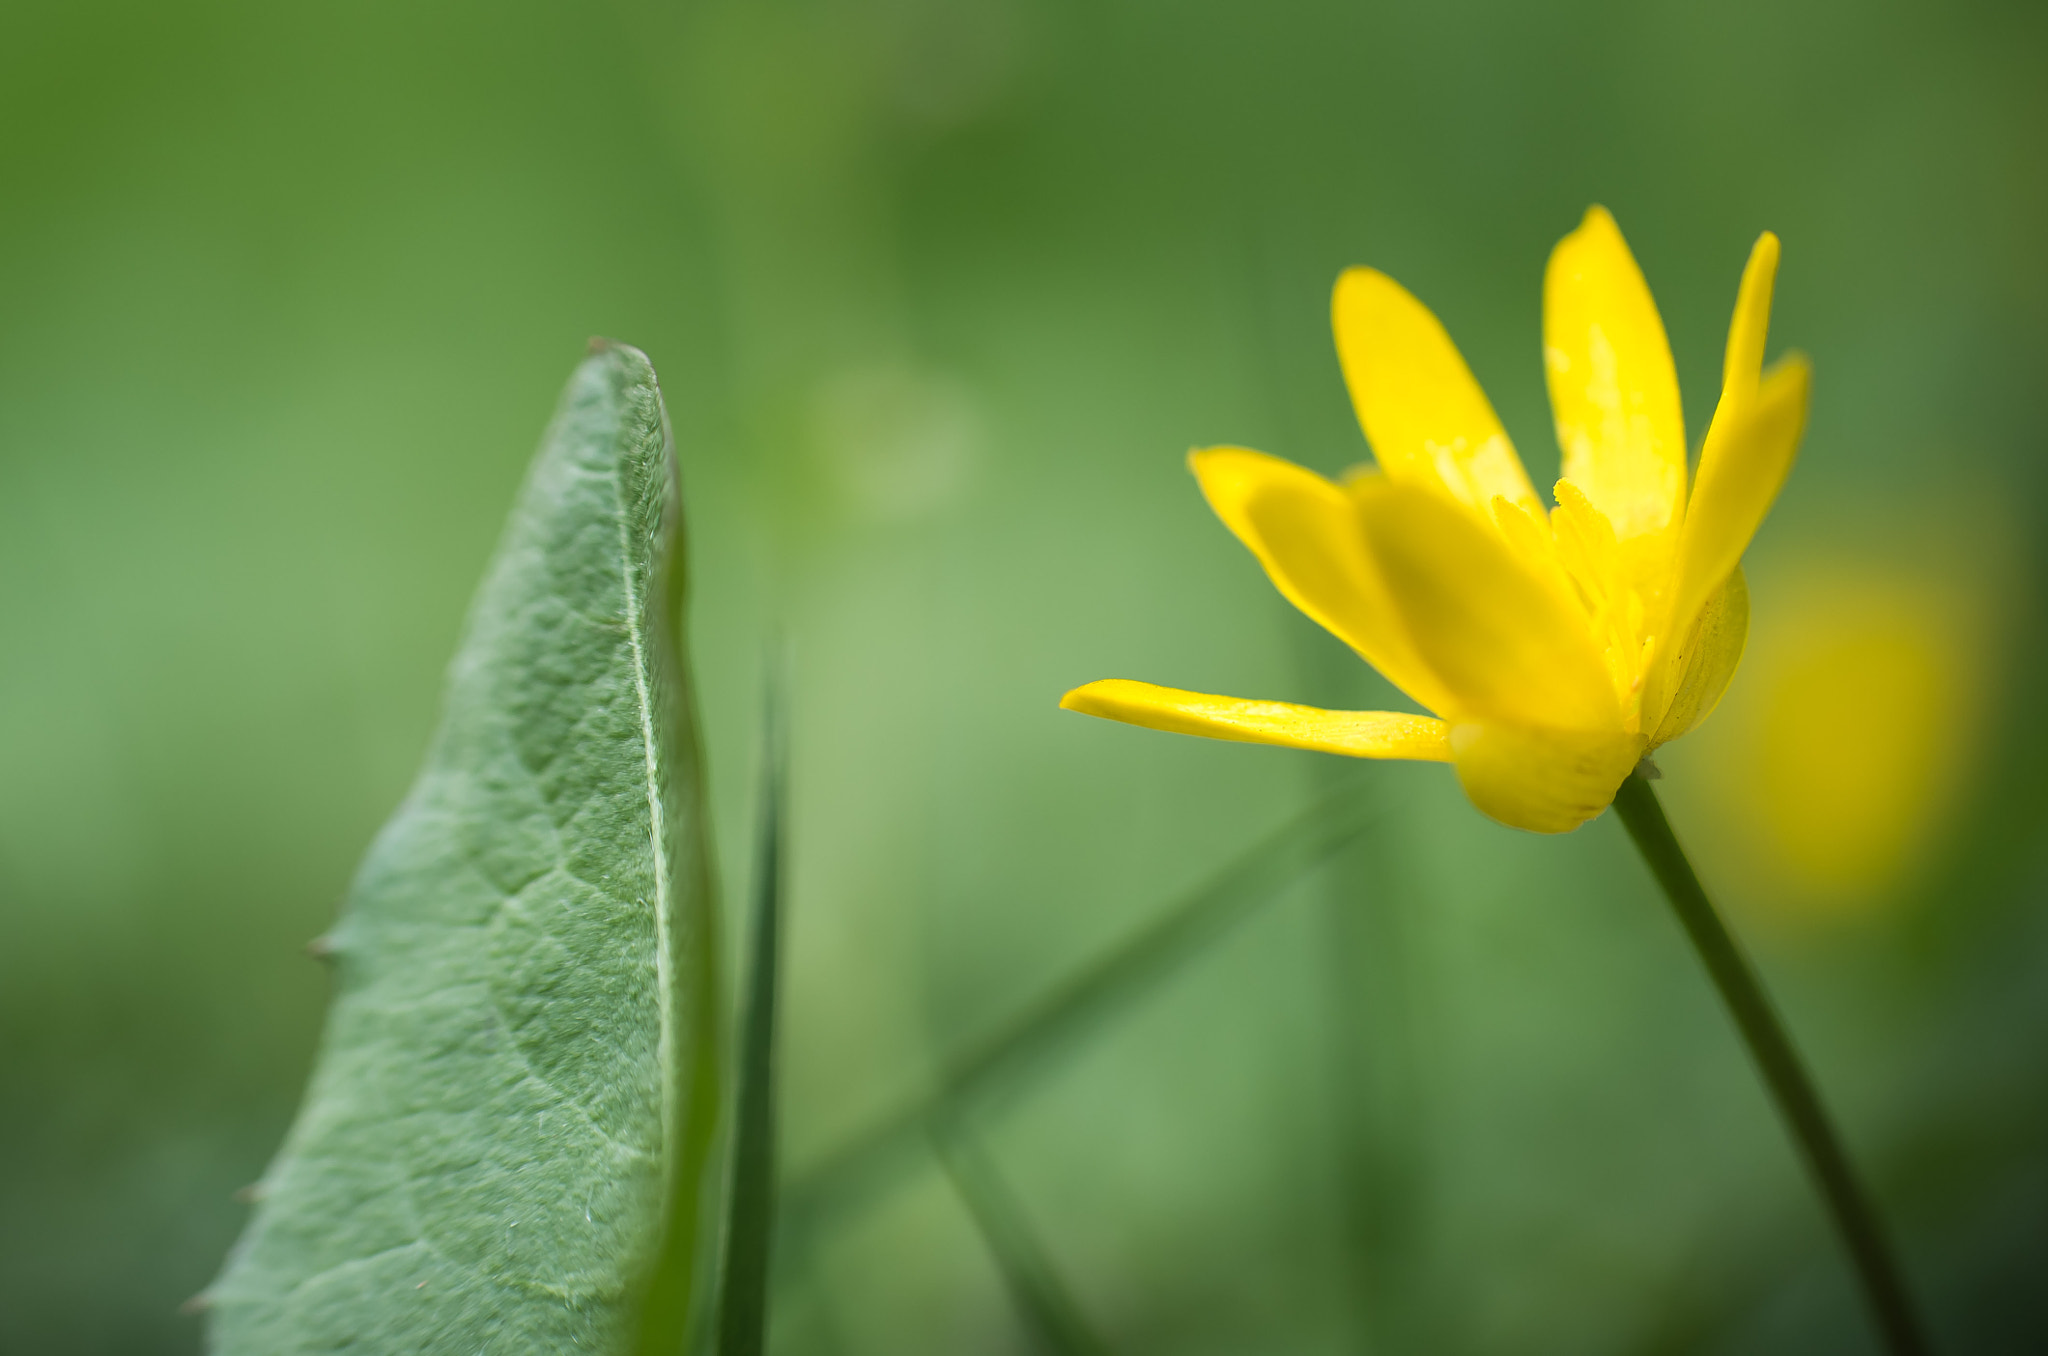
(1819, 828)
(1556, 648)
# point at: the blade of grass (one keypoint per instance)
(1042, 1297)
(851, 1173)
(750, 1217)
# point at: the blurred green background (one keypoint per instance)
(941, 291)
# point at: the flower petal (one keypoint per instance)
(1696, 576)
(1426, 418)
(1708, 661)
(1743, 365)
(1356, 734)
(1742, 468)
(1305, 531)
(1613, 389)
(1505, 643)
(1546, 781)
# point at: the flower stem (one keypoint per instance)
(1771, 1048)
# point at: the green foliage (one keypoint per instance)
(510, 1110)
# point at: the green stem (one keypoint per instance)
(1786, 1077)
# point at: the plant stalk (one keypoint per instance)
(1790, 1086)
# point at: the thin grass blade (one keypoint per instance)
(1042, 1296)
(743, 1299)
(1082, 1002)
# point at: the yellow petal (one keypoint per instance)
(1527, 533)
(1426, 418)
(1586, 545)
(1743, 366)
(1743, 464)
(1356, 734)
(1612, 386)
(1546, 781)
(1530, 537)
(1742, 468)
(1708, 660)
(1306, 533)
(1504, 643)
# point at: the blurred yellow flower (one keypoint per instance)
(1556, 648)
(1823, 826)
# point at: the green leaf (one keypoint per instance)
(750, 1198)
(503, 1143)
